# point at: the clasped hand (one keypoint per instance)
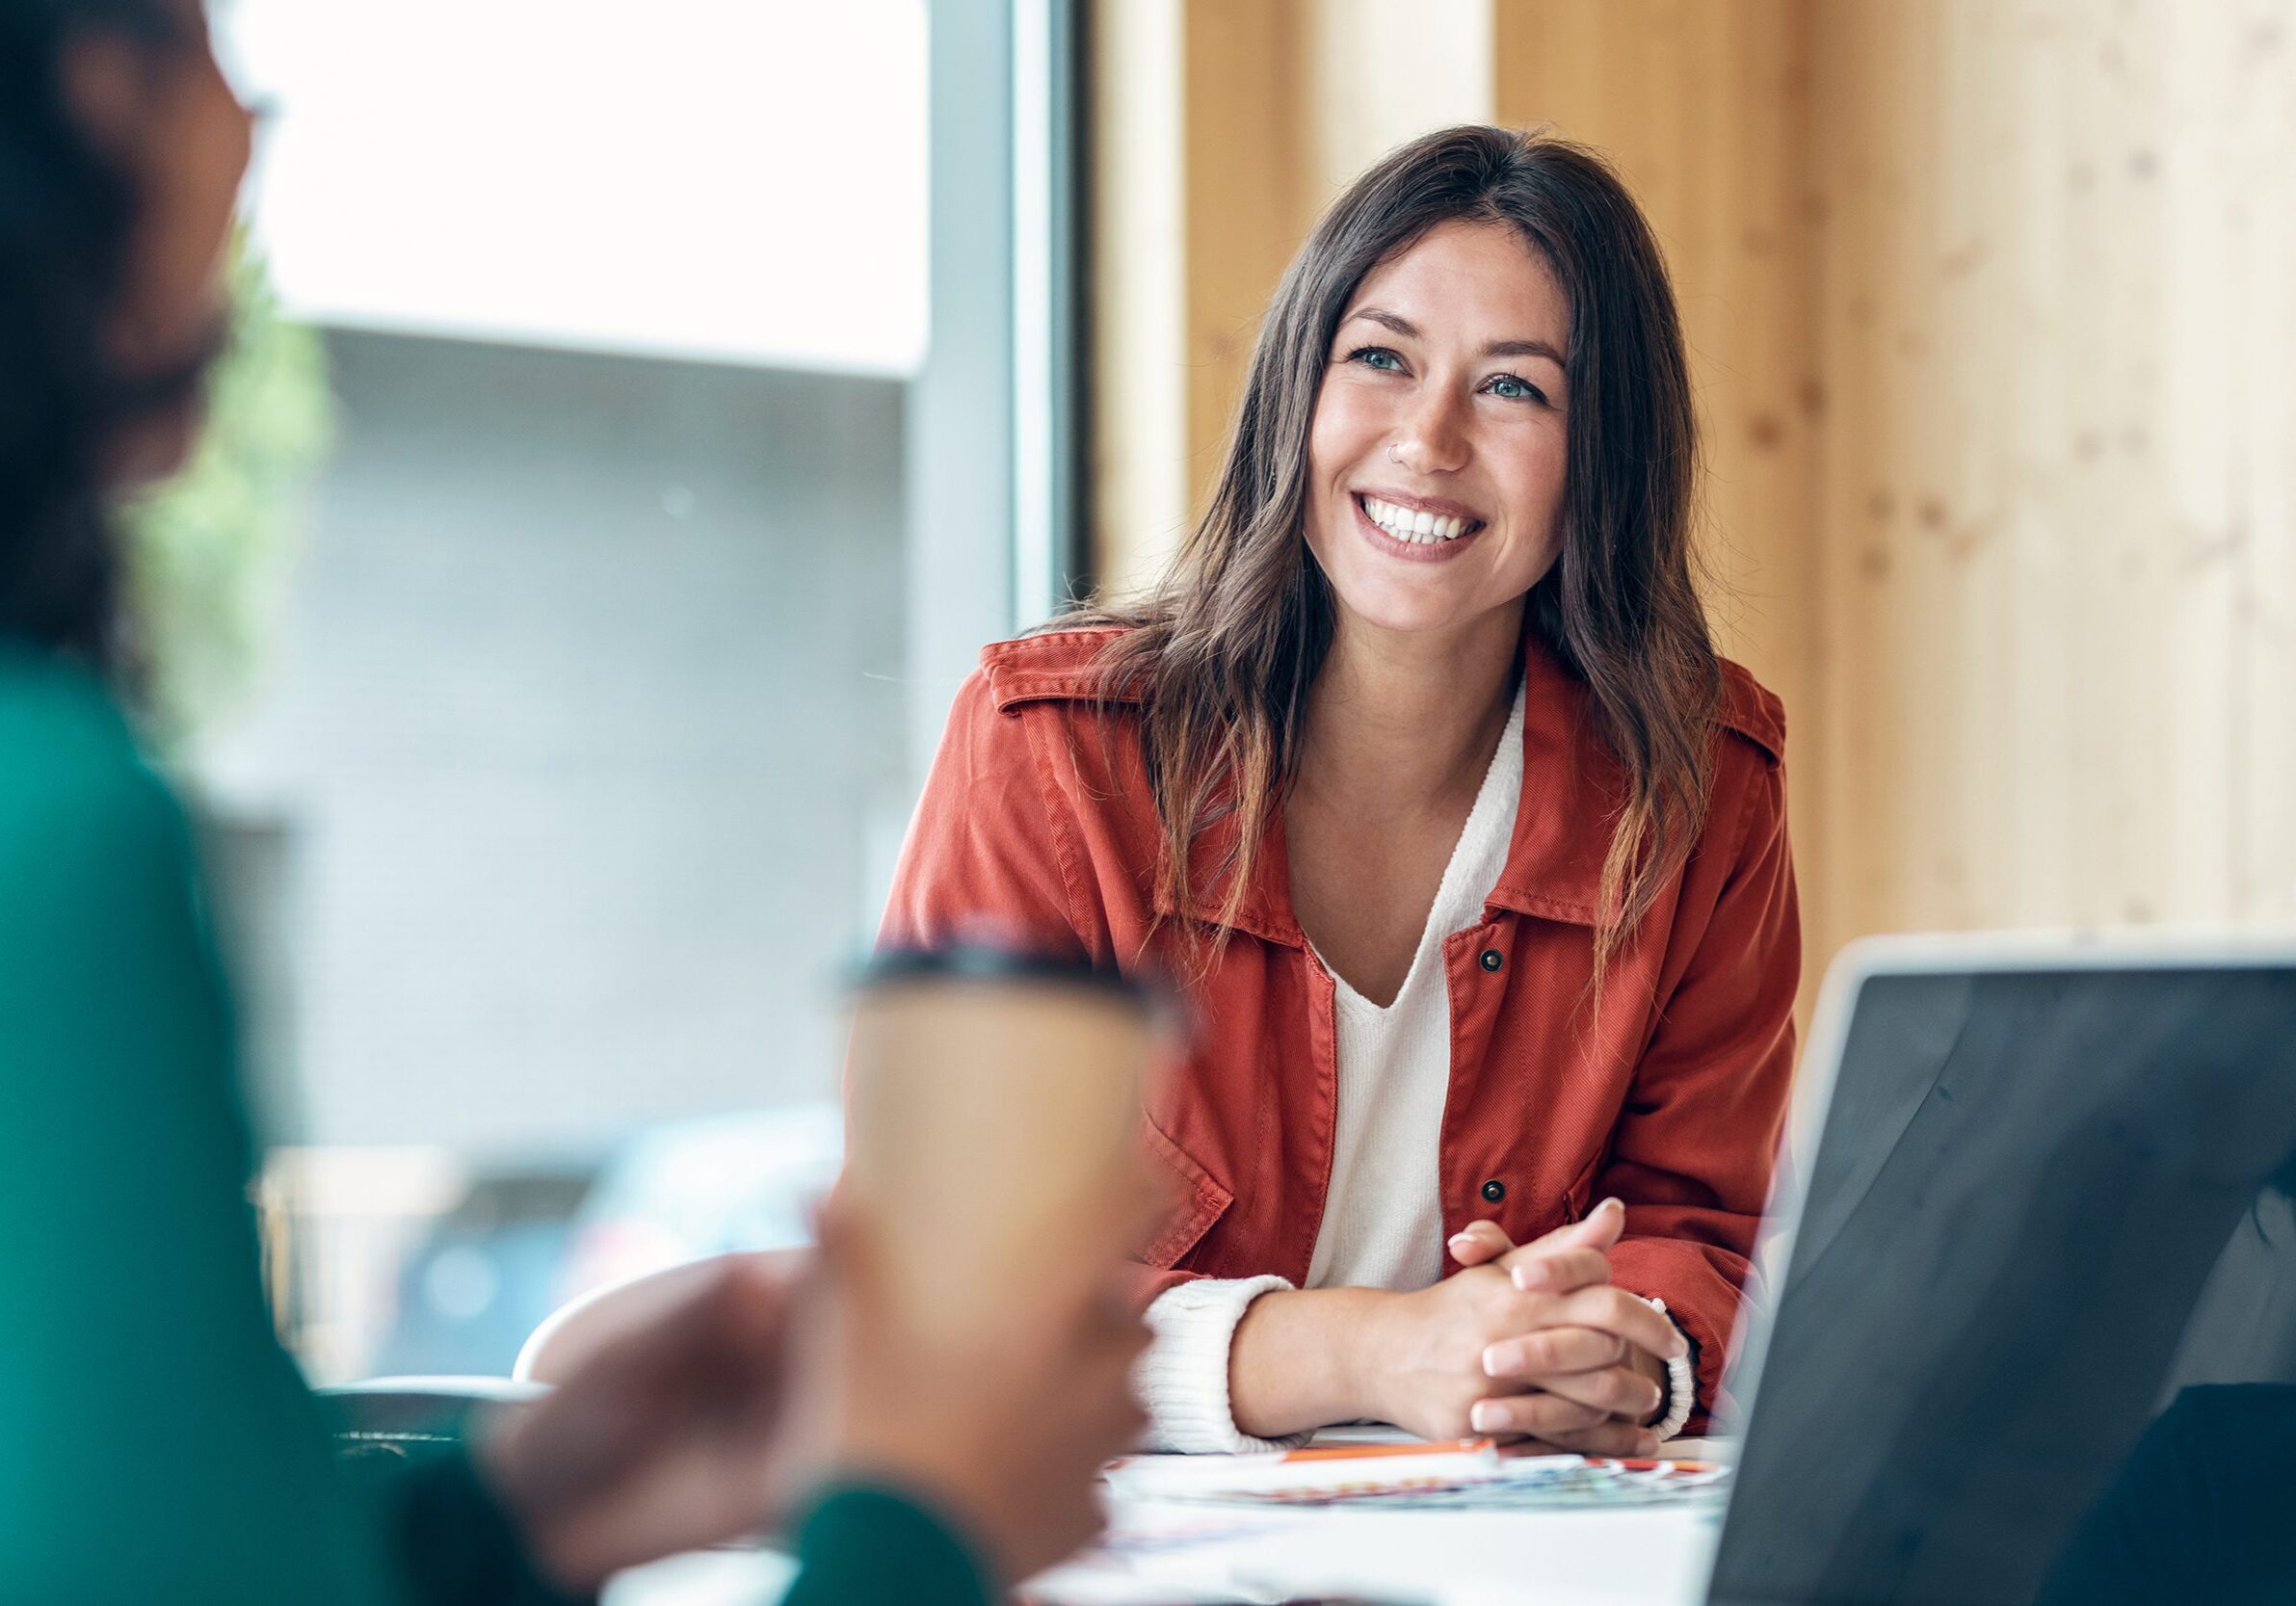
(1531, 1342)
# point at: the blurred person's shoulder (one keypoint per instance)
(74, 786)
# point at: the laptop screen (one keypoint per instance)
(2036, 1338)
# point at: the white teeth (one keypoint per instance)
(1408, 524)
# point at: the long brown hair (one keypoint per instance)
(1221, 655)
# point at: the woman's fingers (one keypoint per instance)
(1557, 1271)
(1540, 1415)
(1599, 1229)
(1613, 1390)
(1478, 1243)
(1614, 1310)
(1564, 1424)
(1613, 1438)
(1551, 1350)
(1570, 1257)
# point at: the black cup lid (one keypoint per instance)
(976, 961)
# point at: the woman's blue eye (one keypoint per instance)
(1508, 388)
(1379, 357)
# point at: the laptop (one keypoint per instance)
(2030, 1332)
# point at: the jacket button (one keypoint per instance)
(1494, 1190)
(1492, 959)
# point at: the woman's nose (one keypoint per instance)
(1433, 437)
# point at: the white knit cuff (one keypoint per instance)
(1182, 1380)
(1681, 1385)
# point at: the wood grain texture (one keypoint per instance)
(1246, 71)
(1992, 307)
(2054, 534)
(1383, 73)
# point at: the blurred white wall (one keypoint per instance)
(586, 746)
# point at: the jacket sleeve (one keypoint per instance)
(994, 855)
(1694, 1150)
(989, 856)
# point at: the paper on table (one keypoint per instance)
(1317, 1473)
(1462, 1474)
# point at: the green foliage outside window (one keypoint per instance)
(209, 553)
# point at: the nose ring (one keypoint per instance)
(1392, 457)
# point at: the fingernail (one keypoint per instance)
(1679, 1349)
(1459, 1241)
(1646, 1446)
(1531, 1278)
(1483, 1417)
(1604, 1205)
(1493, 1363)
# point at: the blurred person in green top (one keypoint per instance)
(156, 1441)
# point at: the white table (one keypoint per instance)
(1164, 1553)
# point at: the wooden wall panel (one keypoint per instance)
(2053, 532)
(1245, 65)
(1991, 305)
(2261, 108)
(1383, 73)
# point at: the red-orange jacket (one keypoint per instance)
(1036, 825)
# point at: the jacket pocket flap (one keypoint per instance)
(1198, 1201)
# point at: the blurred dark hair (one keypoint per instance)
(65, 216)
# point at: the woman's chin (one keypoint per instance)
(1404, 611)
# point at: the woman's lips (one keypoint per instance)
(1412, 552)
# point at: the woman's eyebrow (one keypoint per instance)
(1410, 330)
(1387, 320)
(1524, 348)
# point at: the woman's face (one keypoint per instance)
(1436, 456)
(167, 114)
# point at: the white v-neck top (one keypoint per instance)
(1383, 1224)
(1383, 1221)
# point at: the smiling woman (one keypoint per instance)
(1422, 774)
(1408, 410)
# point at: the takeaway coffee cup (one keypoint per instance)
(993, 1129)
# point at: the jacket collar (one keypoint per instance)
(1573, 788)
(1571, 791)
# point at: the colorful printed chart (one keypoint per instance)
(1468, 1474)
